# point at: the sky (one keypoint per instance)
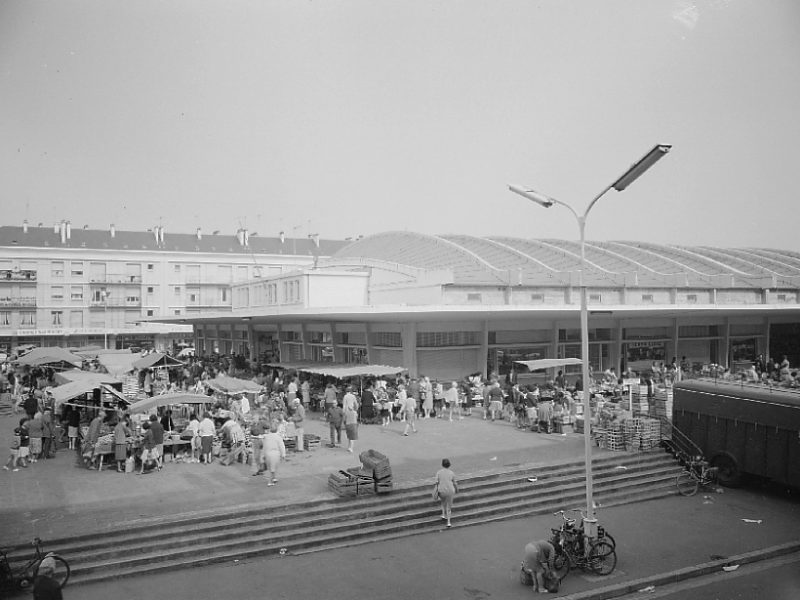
(353, 117)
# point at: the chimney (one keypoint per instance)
(69, 229)
(246, 238)
(155, 233)
(199, 234)
(161, 234)
(25, 226)
(113, 230)
(240, 236)
(63, 232)
(282, 236)
(55, 228)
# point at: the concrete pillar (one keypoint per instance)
(616, 349)
(409, 336)
(280, 342)
(675, 341)
(484, 351)
(337, 352)
(251, 342)
(725, 350)
(767, 352)
(368, 342)
(304, 340)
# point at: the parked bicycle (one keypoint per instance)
(698, 473)
(570, 542)
(22, 578)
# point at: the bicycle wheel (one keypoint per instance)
(687, 484)
(62, 570)
(561, 565)
(602, 558)
(607, 537)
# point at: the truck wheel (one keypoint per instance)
(728, 473)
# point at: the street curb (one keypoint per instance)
(635, 585)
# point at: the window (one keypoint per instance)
(57, 269)
(27, 318)
(192, 297)
(177, 291)
(149, 312)
(5, 319)
(473, 297)
(691, 298)
(647, 297)
(132, 299)
(177, 268)
(537, 297)
(224, 294)
(177, 311)
(595, 297)
(149, 290)
(781, 297)
(57, 316)
(150, 266)
(76, 293)
(57, 293)
(76, 270)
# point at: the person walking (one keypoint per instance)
(409, 409)
(73, 424)
(351, 425)
(274, 451)
(452, 400)
(298, 417)
(447, 488)
(48, 435)
(335, 420)
(257, 433)
(121, 434)
(158, 440)
(538, 561)
(35, 427)
(206, 432)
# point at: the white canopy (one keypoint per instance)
(549, 363)
(340, 370)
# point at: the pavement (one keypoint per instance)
(57, 498)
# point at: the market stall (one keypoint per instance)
(54, 357)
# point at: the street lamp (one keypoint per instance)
(627, 178)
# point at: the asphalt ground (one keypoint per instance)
(57, 497)
(663, 540)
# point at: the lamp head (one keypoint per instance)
(532, 195)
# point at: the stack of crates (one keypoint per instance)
(311, 441)
(661, 407)
(642, 434)
(640, 404)
(350, 483)
(378, 465)
(615, 438)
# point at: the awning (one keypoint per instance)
(549, 363)
(49, 356)
(233, 385)
(156, 359)
(117, 363)
(71, 375)
(71, 390)
(168, 400)
(340, 371)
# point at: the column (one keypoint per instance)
(724, 353)
(484, 351)
(337, 355)
(410, 348)
(368, 342)
(304, 339)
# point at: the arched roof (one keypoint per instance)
(498, 260)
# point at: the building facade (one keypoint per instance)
(68, 287)
(447, 306)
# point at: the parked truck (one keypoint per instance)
(742, 429)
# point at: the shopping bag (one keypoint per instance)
(130, 464)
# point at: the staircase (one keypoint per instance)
(181, 541)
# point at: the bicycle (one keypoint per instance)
(23, 577)
(570, 542)
(696, 474)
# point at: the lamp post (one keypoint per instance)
(631, 175)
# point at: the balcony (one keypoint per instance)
(18, 302)
(117, 279)
(17, 275)
(115, 303)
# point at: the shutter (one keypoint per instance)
(448, 364)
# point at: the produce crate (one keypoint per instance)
(351, 483)
(384, 486)
(311, 441)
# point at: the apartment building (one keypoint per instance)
(64, 286)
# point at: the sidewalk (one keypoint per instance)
(57, 498)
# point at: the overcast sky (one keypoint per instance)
(359, 116)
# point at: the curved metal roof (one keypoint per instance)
(498, 260)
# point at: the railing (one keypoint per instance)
(22, 301)
(114, 303)
(115, 279)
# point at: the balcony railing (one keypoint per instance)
(17, 275)
(18, 302)
(116, 279)
(115, 303)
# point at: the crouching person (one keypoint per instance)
(538, 564)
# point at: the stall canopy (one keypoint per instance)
(156, 359)
(168, 400)
(340, 371)
(232, 385)
(72, 375)
(117, 362)
(73, 389)
(549, 363)
(49, 356)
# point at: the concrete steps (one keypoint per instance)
(192, 539)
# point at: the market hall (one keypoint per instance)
(446, 306)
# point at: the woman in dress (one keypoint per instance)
(121, 433)
(447, 487)
(274, 451)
